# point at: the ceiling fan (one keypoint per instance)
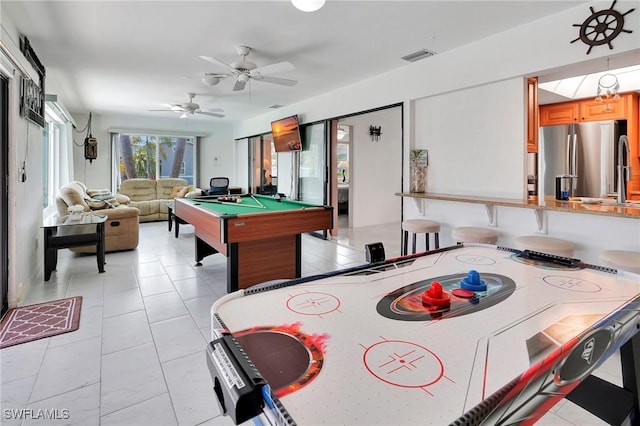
(191, 108)
(246, 70)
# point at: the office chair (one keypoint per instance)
(218, 186)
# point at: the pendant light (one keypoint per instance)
(607, 89)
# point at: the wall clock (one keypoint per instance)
(602, 27)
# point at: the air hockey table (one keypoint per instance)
(468, 334)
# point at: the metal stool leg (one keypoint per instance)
(414, 243)
(436, 237)
(426, 239)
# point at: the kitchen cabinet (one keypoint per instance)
(532, 115)
(585, 110)
(592, 110)
(562, 113)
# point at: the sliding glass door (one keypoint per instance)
(313, 164)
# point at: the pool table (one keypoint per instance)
(260, 236)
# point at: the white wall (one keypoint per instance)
(241, 165)
(216, 141)
(475, 139)
(375, 169)
(25, 198)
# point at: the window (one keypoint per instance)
(54, 163)
(153, 156)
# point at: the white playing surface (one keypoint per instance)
(382, 371)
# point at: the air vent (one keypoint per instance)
(276, 106)
(416, 56)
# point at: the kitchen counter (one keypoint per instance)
(538, 204)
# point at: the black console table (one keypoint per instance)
(72, 231)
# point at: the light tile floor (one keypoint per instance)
(138, 357)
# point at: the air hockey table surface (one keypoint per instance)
(360, 346)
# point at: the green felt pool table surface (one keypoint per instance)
(251, 204)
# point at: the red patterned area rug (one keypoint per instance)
(33, 322)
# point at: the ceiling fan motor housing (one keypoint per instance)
(243, 66)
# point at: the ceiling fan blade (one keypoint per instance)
(212, 110)
(239, 85)
(276, 80)
(217, 61)
(274, 68)
(185, 115)
(163, 110)
(212, 114)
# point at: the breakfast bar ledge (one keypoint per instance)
(537, 204)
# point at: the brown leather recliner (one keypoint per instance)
(122, 226)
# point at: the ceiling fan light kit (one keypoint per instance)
(210, 79)
(308, 5)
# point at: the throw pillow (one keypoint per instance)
(101, 198)
(179, 191)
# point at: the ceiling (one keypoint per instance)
(586, 85)
(133, 56)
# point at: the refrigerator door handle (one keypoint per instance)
(567, 157)
(574, 155)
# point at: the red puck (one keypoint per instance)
(435, 296)
(462, 292)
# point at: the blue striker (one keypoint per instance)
(473, 282)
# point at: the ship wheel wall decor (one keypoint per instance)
(602, 27)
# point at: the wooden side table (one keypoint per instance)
(72, 231)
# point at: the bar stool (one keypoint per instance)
(420, 226)
(622, 259)
(472, 234)
(544, 244)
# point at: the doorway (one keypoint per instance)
(367, 171)
(343, 177)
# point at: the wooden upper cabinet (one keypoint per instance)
(563, 113)
(585, 110)
(532, 114)
(592, 110)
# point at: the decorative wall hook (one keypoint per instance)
(375, 132)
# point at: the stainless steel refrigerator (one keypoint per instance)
(585, 150)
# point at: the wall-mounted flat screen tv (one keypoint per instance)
(286, 134)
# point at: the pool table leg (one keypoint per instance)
(232, 268)
(202, 250)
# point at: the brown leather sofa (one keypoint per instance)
(122, 226)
